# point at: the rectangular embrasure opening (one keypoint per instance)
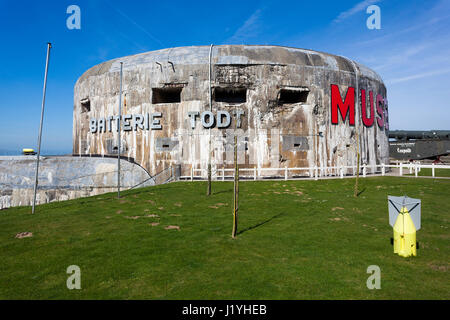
(292, 96)
(166, 95)
(230, 95)
(85, 105)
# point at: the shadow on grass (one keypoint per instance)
(260, 224)
(361, 192)
(222, 191)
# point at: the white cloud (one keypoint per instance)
(151, 36)
(357, 8)
(249, 29)
(419, 76)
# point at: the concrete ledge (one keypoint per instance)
(63, 178)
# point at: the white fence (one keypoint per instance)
(416, 167)
(311, 172)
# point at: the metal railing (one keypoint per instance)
(256, 173)
(164, 176)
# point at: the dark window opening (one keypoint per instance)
(85, 105)
(165, 146)
(230, 95)
(292, 96)
(166, 95)
(296, 145)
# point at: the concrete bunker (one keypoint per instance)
(289, 107)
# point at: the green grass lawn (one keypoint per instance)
(297, 240)
(426, 172)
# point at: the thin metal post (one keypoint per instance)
(236, 190)
(208, 191)
(358, 154)
(119, 131)
(49, 45)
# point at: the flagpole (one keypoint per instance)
(119, 129)
(49, 45)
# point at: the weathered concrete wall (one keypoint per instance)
(272, 134)
(63, 178)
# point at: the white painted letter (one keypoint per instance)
(374, 281)
(74, 281)
(374, 21)
(73, 21)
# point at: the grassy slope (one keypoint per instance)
(290, 246)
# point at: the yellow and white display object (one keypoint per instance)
(27, 151)
(404, 217)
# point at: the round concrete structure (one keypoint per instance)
(289, 108)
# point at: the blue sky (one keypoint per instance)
(411, 51)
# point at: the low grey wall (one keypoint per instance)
(63, 178)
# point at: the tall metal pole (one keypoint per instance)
(358, 156)
(208, 191)
(49, 45)
(236, 190)
(119, 130)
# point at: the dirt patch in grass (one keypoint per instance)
(132, 217)
(213, 207)
(154, 224)
(438, 267)
(22, 235)
(177, 204)
(172, 228)
(151, 202)
(152, 216)
(337, 208)
(119, 211)
(175, 215)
